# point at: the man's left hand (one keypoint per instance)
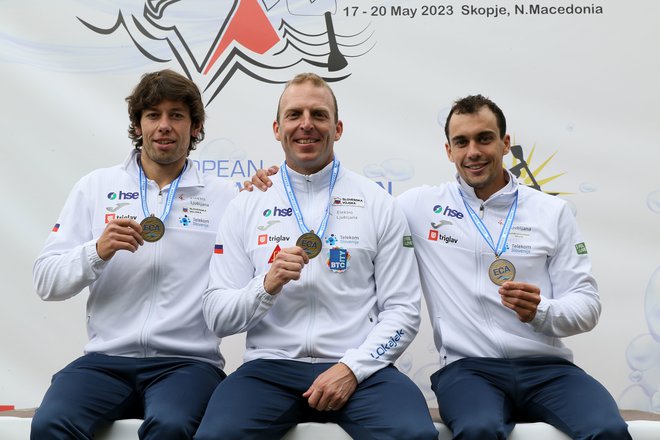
(522, 298)
(332, 388)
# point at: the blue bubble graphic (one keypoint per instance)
(587, 187)
(652, 305)
(643, 356)
(395, 170)
(373, 171)
(634, 397)
(653, 201)
(642, 353)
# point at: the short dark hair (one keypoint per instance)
(316, 81)
(472, 104)
(157, 87)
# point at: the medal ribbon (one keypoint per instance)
(170, 194)
(506, 228)
(294, 202)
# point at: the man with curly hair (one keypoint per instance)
(122, 234)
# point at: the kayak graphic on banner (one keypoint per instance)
(246, 40)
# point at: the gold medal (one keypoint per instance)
(311, 244)
(153, 229)
(501, 271)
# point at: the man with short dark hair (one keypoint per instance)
(140, 235)
(506, 276)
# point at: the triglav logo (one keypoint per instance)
(269, 40)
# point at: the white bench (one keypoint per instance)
(18, 428)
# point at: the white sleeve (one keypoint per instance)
(68, 262)
(575, 304)
(398, 292)
(235, 299)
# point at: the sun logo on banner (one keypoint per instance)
(245, 40)
(520, 167)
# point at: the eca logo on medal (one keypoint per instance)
(501, 271)
(153, 229)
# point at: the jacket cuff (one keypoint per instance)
(541, 314)
(261, 293)
(95, 262)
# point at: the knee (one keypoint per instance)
(47, 425)
(413, 429)
(609, 430)
(478, 430)
(425, 432)
(43, 427)
(219, 431)
(161, 428)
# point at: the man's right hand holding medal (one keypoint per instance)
(287, 265)
(119, 234)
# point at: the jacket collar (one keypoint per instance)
(316, 181)
(191, 175)
(504, 196)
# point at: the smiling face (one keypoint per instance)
(306, 127)
(166, 129)
(477, 147)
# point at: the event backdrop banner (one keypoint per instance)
(578, 81)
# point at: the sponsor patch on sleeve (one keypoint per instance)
(408, 241)
(581, 248)
(56, 227)
(218, 249)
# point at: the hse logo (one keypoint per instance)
(124, 195)
(438, 209)
(277, 212)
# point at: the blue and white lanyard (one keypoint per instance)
(506, 228)
(294, 202)
(170, 194)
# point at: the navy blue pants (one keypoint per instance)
(483, 398)
(170, 394)
(263, 400)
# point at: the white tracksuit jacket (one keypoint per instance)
(364, 316)
(545, 247)
(147, 303)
